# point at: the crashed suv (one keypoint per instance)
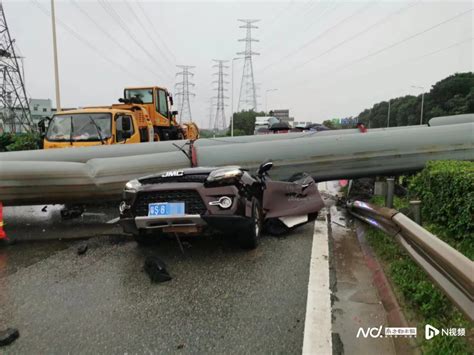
(227, 199)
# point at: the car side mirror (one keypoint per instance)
(174, 113)
(264, 168)
(171, 100)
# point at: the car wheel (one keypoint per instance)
(144, 237)
(276, 227)
(250, 237)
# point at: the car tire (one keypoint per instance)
(276, 227)
(143, 237)
(250, 236)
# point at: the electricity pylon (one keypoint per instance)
(184, 106)
(14, 105)
(219, 119)
(248, 94)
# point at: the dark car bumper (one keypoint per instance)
(219, 223)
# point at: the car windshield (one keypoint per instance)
(80, 127)
(143, 95)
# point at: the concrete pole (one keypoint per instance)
(388, 114)
(232, 98)
(55, 55)
(390, 192)
(422, 104)
(415, 207)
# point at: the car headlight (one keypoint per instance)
(232, 172)
(132, 185)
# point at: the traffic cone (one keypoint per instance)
(3, 235)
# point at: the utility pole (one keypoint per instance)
(211, 105)
(220, 121)
(388, 114)
(422, 101)
(266, 98)
(248, 92)
(232, 98)
(55, 56)
(14, 105)
(184, 106)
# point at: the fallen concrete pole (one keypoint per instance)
(324, 157)
(449, 120)
(84, 154)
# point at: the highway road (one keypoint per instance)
(275, 299)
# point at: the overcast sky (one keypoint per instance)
(326, 59)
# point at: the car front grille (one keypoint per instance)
(185, 178)
(193, 203)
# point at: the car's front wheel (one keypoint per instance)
(250, 236)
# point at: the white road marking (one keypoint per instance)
(318, 327)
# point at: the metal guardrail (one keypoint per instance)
(450, 270)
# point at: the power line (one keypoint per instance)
(276, 42)
(414, 59)
(167, 49)
(318, 37)
(404, 40)
(84, 41)
(351, 63)
(110, 10)
(112, 38)
(358, 34)
(146, 30)
(184, 105)
(248, 94)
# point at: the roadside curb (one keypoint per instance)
(394, 313)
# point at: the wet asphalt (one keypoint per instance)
(221, 299)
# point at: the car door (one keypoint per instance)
(291, 198)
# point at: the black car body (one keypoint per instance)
(227, 200)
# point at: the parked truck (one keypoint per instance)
(143, 115)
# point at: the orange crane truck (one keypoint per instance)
(143, 115)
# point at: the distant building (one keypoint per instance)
(39, 109)
(283, 116)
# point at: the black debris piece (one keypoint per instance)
(44, 209)
(8, 336)
(156, 269)
(82, 249)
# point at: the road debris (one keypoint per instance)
(8, 336)
(156, 269)
(82, 249)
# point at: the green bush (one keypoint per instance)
(5, 140)
(24, 141)
(446, 189)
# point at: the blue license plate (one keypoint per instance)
(166, 209)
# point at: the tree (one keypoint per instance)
(244, 122)
(451, 96)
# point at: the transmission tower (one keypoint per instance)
(182, 87)
(14, 105)
(219, 119)
(248, 94)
